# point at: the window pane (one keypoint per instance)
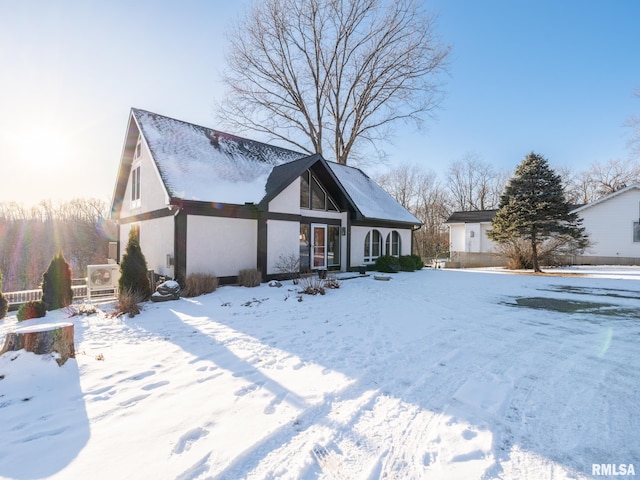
(367, 246)
(333, 248)
(304, 190)
(317, 196)
(636, 232)
(304, 248)
(375, 244)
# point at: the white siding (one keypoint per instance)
(156, 242)
(287, 201)
(359, 233)
(456, 237)
(610, 225)
(470, 238)
(283, 239)
(153, 195)
(221, 246)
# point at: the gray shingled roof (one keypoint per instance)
(201, 164)
(476, 216)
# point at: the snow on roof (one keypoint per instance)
(368, 197)
(198, 163)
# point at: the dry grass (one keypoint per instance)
(199, 284)
(129, 302)
(250, 277)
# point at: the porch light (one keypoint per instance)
(344, 231)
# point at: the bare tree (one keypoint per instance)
(419, 191)
(614, 175)
(331, 75)
(475, 184)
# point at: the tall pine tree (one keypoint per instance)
(533, 208)
(133, 269)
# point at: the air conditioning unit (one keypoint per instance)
(102, 279)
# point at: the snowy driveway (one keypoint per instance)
(434, 374)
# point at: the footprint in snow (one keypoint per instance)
(188, 438)
(469, 434)
(153, 386)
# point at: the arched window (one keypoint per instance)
(372, 244)
(392, 244)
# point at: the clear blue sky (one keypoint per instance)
(551, 76)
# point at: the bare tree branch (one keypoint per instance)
(331, 75)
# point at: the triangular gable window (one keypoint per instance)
(313, 195)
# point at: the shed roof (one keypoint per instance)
(476, 216)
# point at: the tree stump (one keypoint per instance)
(41, 339)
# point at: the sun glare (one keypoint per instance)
(39, 149)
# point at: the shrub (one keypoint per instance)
(133, 269)
(31, 309)
(288, 266)
(249, 277)
(409, 263)
(4, 303)
(311, 285)
(199, 284)
(332, 282)
(56, 284)
(128, 302)
(387, 264)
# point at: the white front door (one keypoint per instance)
(318, 246)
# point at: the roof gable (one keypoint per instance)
(369, 198)
(607, 197)
(198, 163)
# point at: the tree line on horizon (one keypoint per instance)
(471, 184)
(30, 236)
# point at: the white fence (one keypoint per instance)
(79, 292)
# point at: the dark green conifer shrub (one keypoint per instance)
(4, 303)
(56, 284)
(134, 277)
(387, 264)
(31, 309)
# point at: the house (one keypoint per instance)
(611, 222)
(469, 245)
(204, 201)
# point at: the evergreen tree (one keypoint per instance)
(56, 283)
(4, 303)
(133, 269)
(533, 209)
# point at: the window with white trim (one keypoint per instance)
(392, 244)
(372, 245)
(135, 186)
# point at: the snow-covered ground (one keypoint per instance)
(435, 374)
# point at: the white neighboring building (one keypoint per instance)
(612, 223)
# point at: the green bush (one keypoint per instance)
(409, 263)
(31, 309)
(387, 264)
(133, 270)
(56, 284)
(4, 303)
